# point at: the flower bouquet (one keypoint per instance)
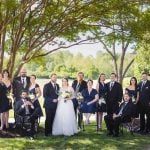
(10, 98)
(66, 95)
(79, 97)
(32, 96)
(101, 101)
(133, 99)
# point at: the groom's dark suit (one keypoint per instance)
(50, 93)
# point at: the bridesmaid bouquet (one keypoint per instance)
(66, 95)
(79, 97)
(133, 99)
(10, 98)
(32, 96)
(101, 101)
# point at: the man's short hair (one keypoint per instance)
(144, 73)
(53, 74)
(113, 74)
(81, 73)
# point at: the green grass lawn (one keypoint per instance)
(85, 140)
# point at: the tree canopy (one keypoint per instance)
(27, 26)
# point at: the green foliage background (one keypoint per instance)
(64, 63)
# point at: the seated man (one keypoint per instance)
(123, 116)
(26, 109)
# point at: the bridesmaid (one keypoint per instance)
(90, 96)
(6, 105)
(35, 90)
(101, 108)
(133, 93)
(132, 89)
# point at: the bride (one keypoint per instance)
(65, 120)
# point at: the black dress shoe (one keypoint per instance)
(116, 135)
(109, 134)
(48, 135)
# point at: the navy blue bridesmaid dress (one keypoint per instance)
(87, 98)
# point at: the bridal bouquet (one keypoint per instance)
(66, 95)
(101, 101)
(79, 97)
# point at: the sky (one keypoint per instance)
(92, 49)
(87, 49)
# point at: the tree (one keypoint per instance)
(26, 26)
(120, 29)
(142, 61)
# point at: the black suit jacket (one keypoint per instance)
(115, 94)
(18, 86)
(83, 85)
(144, 93)
(49, 93)
(21, 111)
(128, 109)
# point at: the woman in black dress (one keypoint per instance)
(5, 101)
(133, 92)
(35, 93)
(101, 105)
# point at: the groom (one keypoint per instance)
(50, 93)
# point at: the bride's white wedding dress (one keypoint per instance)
(65, 119)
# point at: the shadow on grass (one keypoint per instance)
(87, 140)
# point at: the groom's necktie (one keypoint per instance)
(111, 85)
(77, 87)
(55, 87)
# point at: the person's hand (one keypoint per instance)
(89, 103)
(28, 103)
(55, 100)
(114, 116)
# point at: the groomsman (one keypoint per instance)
(78, 85)
(122, 116)
(114, 95)
(144, 103)
(50, 93)
(21, 83)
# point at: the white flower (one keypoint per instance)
(10, 95)
(101, 101)
(31, 96)
(79, 97)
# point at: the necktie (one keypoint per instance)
(23, 82)
(26, 108)
(77, 87)
(111, 85)
(143, 83)
(121, 110)
(55, 87)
